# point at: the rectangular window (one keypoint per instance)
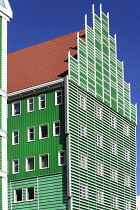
(113, 148)
(82, 101)
(30, 134)
(83, 161)
(114, 202)
(16, 108)
(126, 155)
(15, 166)
(98, 112)
(126, 180)
(126, 129)
(114, 174)
(30, 104)
(30, 163)
(112, 121)
(82, 130)
(98, 140)
(18, 195)
(42, 101)
(43, 131)
(56, 128)
(29, 193)
(83, 191)
(44, 161)
(100, 196)
(15, 137)
(99, 168)
(127, 205)
(61, 158)
(58, 97)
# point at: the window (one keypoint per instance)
(82, 131)
(127, 205)
(99, 196)
(18, 195)
(83, 191)
(113, 148)
(30, 134)
(126, 155)
(15, 138)
(81, 101)
(42, 101)
(114, 174)
(43, 131)
(98, 112)
(15, 166)
(30, 164)
(44, 161)
(29, 193)
(16, 108)
(58, 97)
(114, 202)
(61, 158)
(56, 128)
(30, 104)
(82, 161)
(99, 168)
(98, 140)
(126, 129)
(126, 180)
(112, 121)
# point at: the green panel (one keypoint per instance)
(49, 145)
(0, 112)
(0, 53)
(0, 153)
(0, 193)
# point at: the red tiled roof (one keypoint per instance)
(40, 63)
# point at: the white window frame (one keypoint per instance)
(54, 134)
(114, 202)
(40, 131)
(27, 158)
(28, 110)
(82, 130)
(126, 129)
(113, 148)
(39, 101)
(127, 205)
(40, 162)
(59, 162)
(81, 101)
(15, 195)
(114, 174)
(99, 167)
(100, 196)
(98, 140)
(113, 121)
(57, 91)
(13, 110)
(127, 180)
(13, 166)
(29, 133)
(98, 112)
(83, 191)
(13, 143)
(27, 192)
(127, 155)
(83, 161)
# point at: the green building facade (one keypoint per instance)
(72, 142)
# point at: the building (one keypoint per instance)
(137, 202)
(71, 124)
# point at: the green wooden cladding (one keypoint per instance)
(50, 193)
(0, 52)
(49, 145)
(98, 71)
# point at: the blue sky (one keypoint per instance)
(37, 21)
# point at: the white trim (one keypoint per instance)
(54, 128)
(39, 101)
(26, 160)
(15, 195)
(40, 160)
(40, 131)
(13, 112)
(26, 193)
(13, 143)
(5, 11)
(28, 137)
(57, 91)
(59, 163)
(13, 169)
(28, 104)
